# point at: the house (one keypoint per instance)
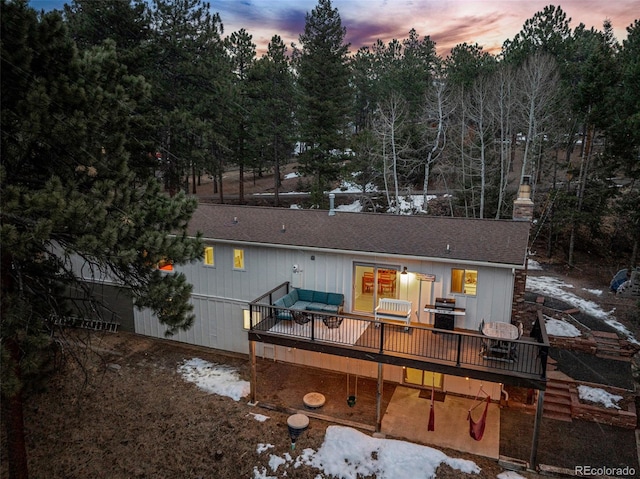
(480, 264)
(453, 274)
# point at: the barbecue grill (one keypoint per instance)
(444, 315)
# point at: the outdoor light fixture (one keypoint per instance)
(404, 271)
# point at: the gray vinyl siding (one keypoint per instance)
(220, 293)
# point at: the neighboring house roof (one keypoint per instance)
(479, 240)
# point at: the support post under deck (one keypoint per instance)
(536, 430)
(254, 374)
(379, 392)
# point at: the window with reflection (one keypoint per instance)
(208, 256)
(238, 259)
(464, 281)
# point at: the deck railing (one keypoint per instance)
(460, 348)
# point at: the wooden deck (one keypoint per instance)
(461, 353)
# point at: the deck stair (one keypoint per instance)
(557, 397)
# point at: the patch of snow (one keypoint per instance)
(600, 396)
(595, 292)
(349, 187)
(558, 289)
(557, 327)
(410, 204)
(263, 447)
(355, 207)
(259, 417)
(276, 461)
(532, 264)
(214, 378)
(349, 454)
(291, 175)
(510, 475)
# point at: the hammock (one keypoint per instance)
(476, 429)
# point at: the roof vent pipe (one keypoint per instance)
(332, 210)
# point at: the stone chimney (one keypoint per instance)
(523, 205)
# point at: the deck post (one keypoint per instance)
(379, 398)
(254, 374)
(536, 430)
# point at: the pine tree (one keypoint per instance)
(69, 196)
(190, 78)
(271, 94)
(325, 101)
(242, 52)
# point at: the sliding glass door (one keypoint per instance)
(425, 379)
(372, 282)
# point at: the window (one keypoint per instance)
(464, 281)
(208, 256)
(238, 259)
(165, 265)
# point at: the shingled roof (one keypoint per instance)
(501, 242)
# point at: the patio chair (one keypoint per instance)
(332, 322)
(301, 317)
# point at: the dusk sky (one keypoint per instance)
(448, 22)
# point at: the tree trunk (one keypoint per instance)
(14, 421)
(241, 183)
(220, 190)
(193, 176)
(276, 175)
(12, 407)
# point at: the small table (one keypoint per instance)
(500, 330)
(499, 346)
(314, 400)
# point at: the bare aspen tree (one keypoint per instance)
(388, 124)
(503, 111)
(539, 82)
(436, 112)
(477, 106)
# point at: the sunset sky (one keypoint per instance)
(448, 22)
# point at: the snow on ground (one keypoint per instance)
(595, 292)
(410, 204)
(598, 395)
(557, 327)
(259, 417)
(558, 289)
(350, 187)
(510, 475)
(214, 378)
(533, 265)
(345, 452)
(349, 454)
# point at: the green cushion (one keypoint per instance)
(329, 308)
(320, 297)
(335, 299)
(305, 295)
(293, 294)
(288, 300)
(316, 306)
(284, 315)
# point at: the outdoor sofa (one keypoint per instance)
(300, 299)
